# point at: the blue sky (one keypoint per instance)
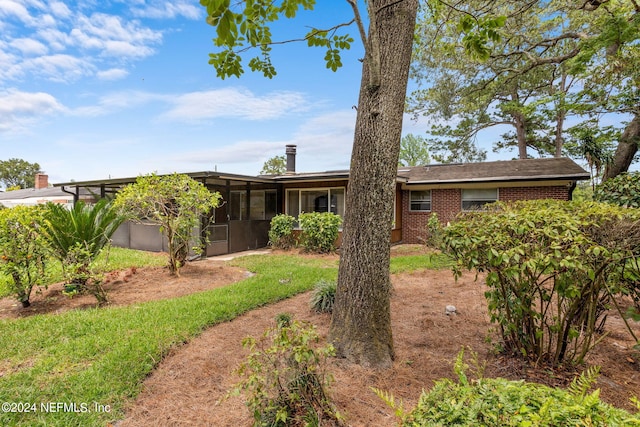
(91, 90)
(108, 89)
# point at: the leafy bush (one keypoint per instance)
(553, 269)
(284, 378)
(319, 231)
(623, 190)
(76, 237)
(434, 231)
(500, 402)
(23, 251)
(281, 232)
(177, 203)
(323, 296)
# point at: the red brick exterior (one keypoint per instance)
(447, 203)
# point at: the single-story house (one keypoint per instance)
(43, 193)
(242, 221)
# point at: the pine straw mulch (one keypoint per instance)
(188, 385)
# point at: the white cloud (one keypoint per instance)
(168, 9)
(60, 9)
(114, 37)
(236, 103)
(29, 46)
(19, 110)
(10, 8)
(58, 68)
(112, 74)
(118, 101)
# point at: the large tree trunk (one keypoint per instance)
(626, 150)
(521, 134)
(361, 323)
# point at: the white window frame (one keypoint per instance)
(422, 201)
(327, 189)
(483, 200)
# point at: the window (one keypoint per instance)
(262, 205)
(315, 200)
(475, 199)
(420, 200)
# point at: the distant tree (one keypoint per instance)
(276, 165)
(413, 151)
(18, 172)
(175, 202)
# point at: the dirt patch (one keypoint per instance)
(130, 286)
(188, 385)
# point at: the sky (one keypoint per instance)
(119, 88)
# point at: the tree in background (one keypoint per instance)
(544, 63)
(18, 173)
(276, 165)
(361, 323)
(177, 203)
(413, 151)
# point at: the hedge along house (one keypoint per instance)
(249, 202)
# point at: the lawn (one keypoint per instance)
(91, 360)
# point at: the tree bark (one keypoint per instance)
(361, 323)
(626, 150)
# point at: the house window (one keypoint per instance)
(420, 200)
(475, 199)
(262, 205)
(315, 200)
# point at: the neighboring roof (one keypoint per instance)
(32, 196)
(506, 170)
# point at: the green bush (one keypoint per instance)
(623, 190)
(499, 402)
(323, 296)
(319, 231)
(23, 251)
(284, 378)
(553, 269)
(76, 237)
(281, 234)
(434, 231)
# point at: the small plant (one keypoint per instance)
(23, 251)
(76, 237)
(434, 231)
(500, 402)
(319, 231)
(281, 234)
(283, 320)
(323, 296)
(284, 378)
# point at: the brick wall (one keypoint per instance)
(447, 203)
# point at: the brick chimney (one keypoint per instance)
(42, 181)
(290, 150)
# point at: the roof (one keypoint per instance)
(506, 170)
(30, 193)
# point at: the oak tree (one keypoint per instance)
(361, 323)
(18, 173)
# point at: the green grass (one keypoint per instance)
(103, 355)
(408, 263)
(116, 259)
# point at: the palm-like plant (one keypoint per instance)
(76, 236)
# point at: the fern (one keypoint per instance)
(581, 384)
(390, 401)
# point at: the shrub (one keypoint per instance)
(23, 251)
(319, 231)
(434, 231)
(500, 402)
(284, 378)
(622, 190)
(553, 268)
(323, 296)
(76, 237)
(281, 232)
(177, 203)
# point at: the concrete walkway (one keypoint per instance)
(228, 257)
